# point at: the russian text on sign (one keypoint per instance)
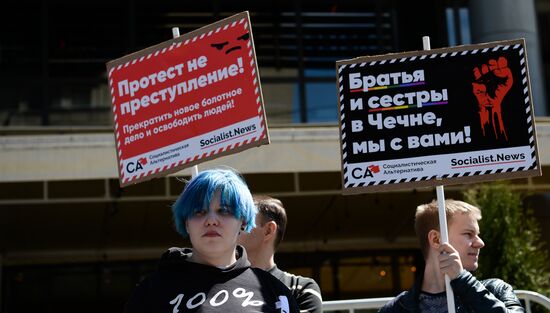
(357, 81)
(170, 93)
(125, 87)
(418, 98)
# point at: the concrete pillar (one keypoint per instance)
(493, 20)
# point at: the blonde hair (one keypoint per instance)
(427, 218)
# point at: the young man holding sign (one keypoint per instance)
(456, 259)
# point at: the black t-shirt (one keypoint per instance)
(179, 285)
(304, 289)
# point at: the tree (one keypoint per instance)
(514, 251)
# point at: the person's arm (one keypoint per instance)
(309, 297)
(394, 306)
(390, 307)
(473, 293)
(286, 303)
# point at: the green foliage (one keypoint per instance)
(513, 249)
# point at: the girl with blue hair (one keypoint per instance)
(215, 274)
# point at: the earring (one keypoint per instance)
(242, 228)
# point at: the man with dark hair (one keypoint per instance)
(455, 258)
(261, 243)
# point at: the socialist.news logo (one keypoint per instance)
(132, 167)
(360, 173)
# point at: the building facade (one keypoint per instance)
(70, 235)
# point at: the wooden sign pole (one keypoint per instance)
(442, 218)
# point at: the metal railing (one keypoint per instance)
(531, 296)
(355, 304)
(375, 303)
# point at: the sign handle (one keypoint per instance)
(445, 239)
(195, 168)
(442, 218)
(175, 32)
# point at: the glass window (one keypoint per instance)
(463, 36)
(321, 97)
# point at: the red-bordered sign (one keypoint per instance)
(187, 100)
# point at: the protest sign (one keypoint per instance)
(187, 100)
(437, 117)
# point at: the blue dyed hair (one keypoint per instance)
(199, 191)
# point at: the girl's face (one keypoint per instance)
(213, 233)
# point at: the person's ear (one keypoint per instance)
(243, 227)
(270, 230)
(434, 239)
